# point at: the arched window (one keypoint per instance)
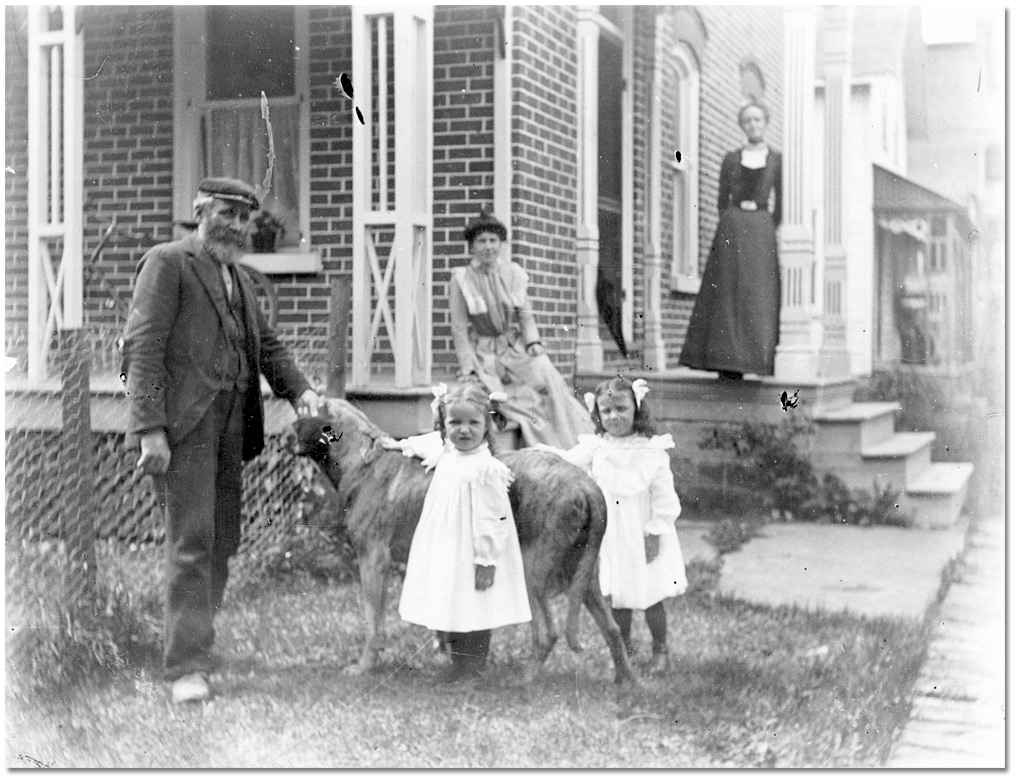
(683, 171)
(752, 80)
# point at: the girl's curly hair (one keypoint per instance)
(473, 394)
(643, 422)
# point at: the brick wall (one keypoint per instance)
(463, 153)
(544, 190)
(128, 135)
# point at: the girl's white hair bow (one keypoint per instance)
(640, 389)
(498, 397)
(589, 400)
(438, 392)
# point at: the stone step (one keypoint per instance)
(849, 429)
(891, 463)
(912, 450)
(937, 494)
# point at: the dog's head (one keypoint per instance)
(340, 434)
(312, 436)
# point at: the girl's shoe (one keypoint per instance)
(452, 675)
(659, 663)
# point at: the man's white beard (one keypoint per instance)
(224, 252)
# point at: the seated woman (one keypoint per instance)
(497, 342)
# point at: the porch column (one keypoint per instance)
(55, 161)
(397, 218)
(800, 332)
(654, 345)
(837, 38)
(589, 344)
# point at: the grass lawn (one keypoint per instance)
(750, 687)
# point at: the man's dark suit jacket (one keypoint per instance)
(176, 349)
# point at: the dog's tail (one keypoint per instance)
(587, 565)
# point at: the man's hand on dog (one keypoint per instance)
(307, 404)
(651, 548)
(155, 457)
(484, 576)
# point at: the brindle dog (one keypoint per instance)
(559, 511)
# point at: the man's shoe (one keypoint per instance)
(191, 687)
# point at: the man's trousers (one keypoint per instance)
(203, 529)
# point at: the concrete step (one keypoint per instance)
(850, 429)
(891, 463)
(912, 450)
(937, 494)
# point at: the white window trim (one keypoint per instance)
(189, 100)
(686, 278)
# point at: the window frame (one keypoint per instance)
(190, 104)
(685, 258)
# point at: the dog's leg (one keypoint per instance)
(373, 565)
(543, 626)
(600, 611)
(538, 573)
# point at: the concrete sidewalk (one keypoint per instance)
(874, 571)
(958, 711)
(959, 704)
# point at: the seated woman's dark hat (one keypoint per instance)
(484, 222)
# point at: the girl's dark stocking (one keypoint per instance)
(655, 616)
(623, 619)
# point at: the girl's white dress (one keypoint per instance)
(466, 520)
(634, 475)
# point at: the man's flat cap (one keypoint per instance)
(229, 189)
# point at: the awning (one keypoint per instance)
(901, 202)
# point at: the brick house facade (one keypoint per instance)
(129, 149)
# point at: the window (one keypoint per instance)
(683, 172)
(226, 57)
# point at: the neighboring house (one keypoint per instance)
(910, 256)
(595, 132)
(956, 147)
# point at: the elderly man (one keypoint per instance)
(195, 343)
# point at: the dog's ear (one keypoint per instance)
(374, 450)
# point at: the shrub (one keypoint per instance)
(923, 400)
(728, 535)
(768, 462)
(836, 502)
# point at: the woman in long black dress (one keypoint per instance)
(735, 325)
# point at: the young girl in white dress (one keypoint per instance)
(640, 562)
(465, 574)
